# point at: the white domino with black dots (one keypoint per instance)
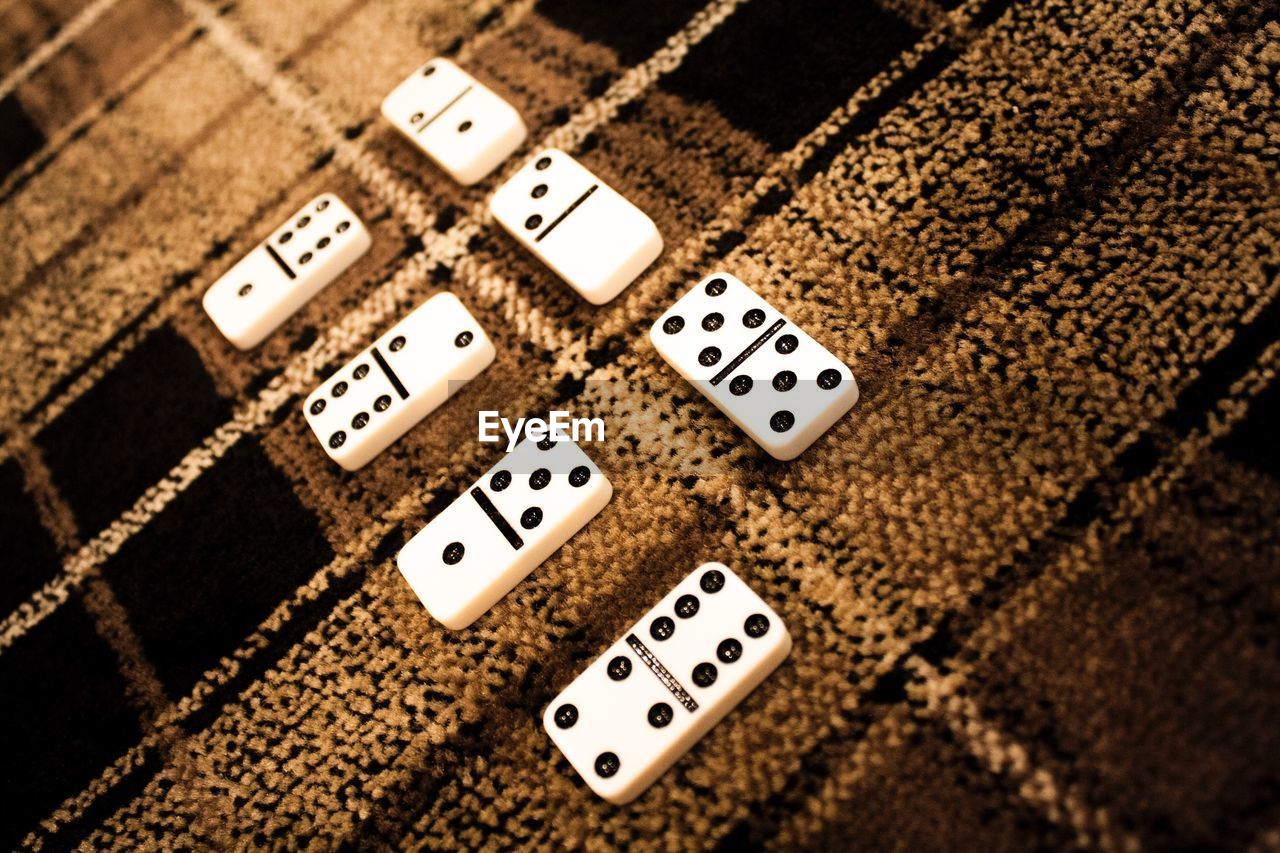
(457, 121)
(505, 525)
(780, 386)
(406, 374)
(577, 225)
(640, 706)
(277, 277)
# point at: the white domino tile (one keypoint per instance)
(670, 677)
(402, 377)
(779, 385)
(577, 225)
(461, 124)
(281, 273)
(501, 528)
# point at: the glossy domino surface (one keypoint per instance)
(779, 385)
(501, 528)
(577, 225)
(402, 377)
(457, 121)
(304, 255)
(640, 706)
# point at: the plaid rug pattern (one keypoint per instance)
(1033, 578)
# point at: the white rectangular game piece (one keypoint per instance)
(455, 119)
(502, 528)
(380, 394)
(780, 386)
(655, 692)
(575, 223)
(292, 265)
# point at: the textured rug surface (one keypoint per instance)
(1033, 578)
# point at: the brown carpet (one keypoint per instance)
(1033, 578)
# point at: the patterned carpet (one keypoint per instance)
(1033, 578)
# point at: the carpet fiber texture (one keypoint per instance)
(1033, 578)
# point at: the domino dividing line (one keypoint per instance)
(126, 758)
(764, 337)
(390, 374)
(299, 374)
(275, 256)
(444, 109)
(570, 209)
(669, 681)
(499, 520)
